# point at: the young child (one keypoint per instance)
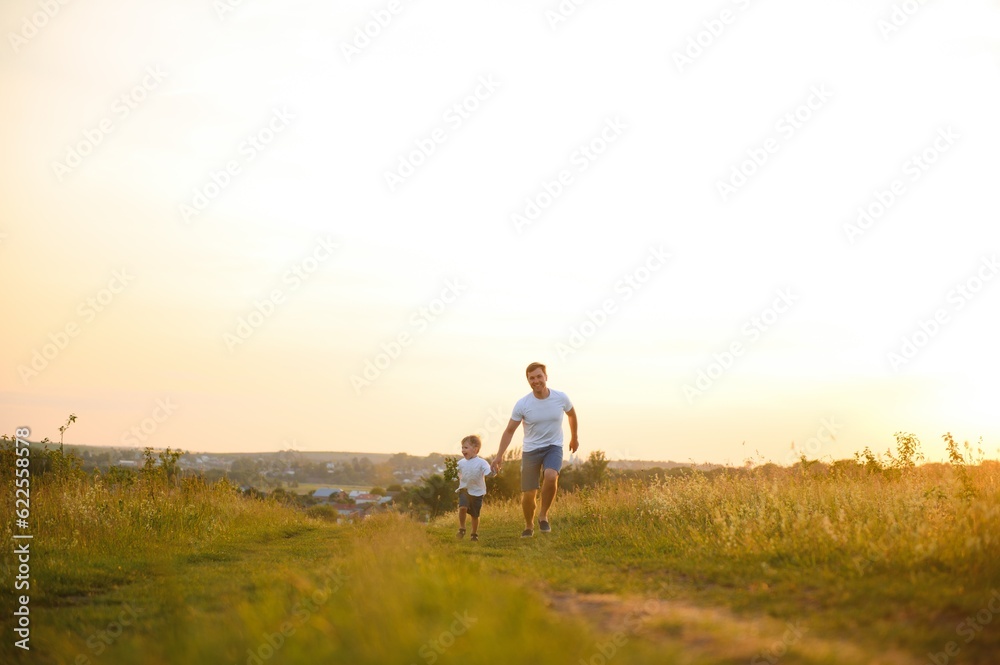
(472, 472)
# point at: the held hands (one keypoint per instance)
(495, 466)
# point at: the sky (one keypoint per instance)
(732, 230)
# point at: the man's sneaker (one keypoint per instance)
(544, 527)
(527, 533)
(474, 537)
(461, 533)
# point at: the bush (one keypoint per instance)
(323, 512)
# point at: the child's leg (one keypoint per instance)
(474, 509)
(461, 517)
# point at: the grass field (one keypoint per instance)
(773, 565)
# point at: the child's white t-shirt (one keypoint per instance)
(472, 475)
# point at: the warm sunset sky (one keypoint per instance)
(382, 188)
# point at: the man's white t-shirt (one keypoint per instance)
(542, 419)
(472, 475)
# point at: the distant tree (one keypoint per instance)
(244, 471)
(168, 463)
(451, 469)
(436, 495)
(120, 476)
(63, 428)
(595, 469)
(508, 483)
(254, 493)
(213, 475)
(592, 472)
(282, 495)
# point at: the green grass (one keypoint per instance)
(688, 570)
(887, 564)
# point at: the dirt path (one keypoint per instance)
(711, 635)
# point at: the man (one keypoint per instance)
(541, 411)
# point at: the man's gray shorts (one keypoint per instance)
(533, 462)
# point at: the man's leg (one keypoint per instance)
(549, 486)
(531, 467)
(550, 482)
(528, 506)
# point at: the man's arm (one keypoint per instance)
(573, 442)
(505, 439)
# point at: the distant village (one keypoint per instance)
(335, 485)
(352, 484)
(284, 468)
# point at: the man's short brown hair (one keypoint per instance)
(533, 366)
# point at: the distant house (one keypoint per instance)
(327, 493)
(350, 511)
(128, 463)
(384, 500)
(364, 497)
